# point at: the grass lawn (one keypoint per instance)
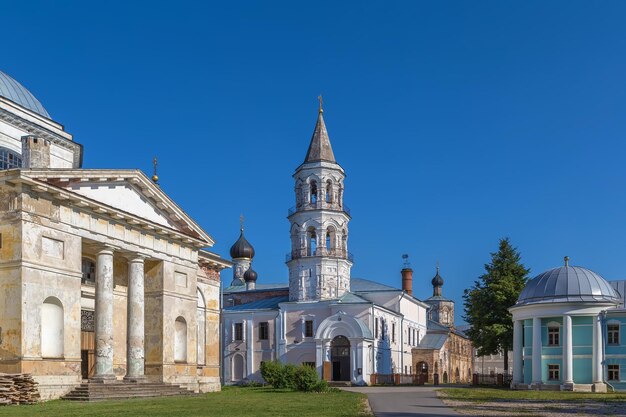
(480, 395)
(229, 402)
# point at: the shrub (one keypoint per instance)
(305, 378)
(271, 372)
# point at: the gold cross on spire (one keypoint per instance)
(319, 98)
(241, 219)
(155, 177)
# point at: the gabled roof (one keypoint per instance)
(319, 148)
(265, 304)
(146, 204)
(351, 298)
(432, 341)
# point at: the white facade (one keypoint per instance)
(347, 328)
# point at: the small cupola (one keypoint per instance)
(437, 282)
(250, 277)
(242, 248)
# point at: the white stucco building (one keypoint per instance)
(347, 328)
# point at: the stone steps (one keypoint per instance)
(122, 391)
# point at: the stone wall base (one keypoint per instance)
(209, 384)
(52, 387)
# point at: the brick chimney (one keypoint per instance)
(407, 280)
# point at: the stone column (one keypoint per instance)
(597, 352)
(568, 357)
(135, 352)
(537, 351)
(518, 351)
(104, 316)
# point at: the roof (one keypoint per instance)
(17, 93)
(265, 304)
(257, 287)
(435, 326)
(351, 298)
(437, 298)
(363, 285)
(432, 341)
(620, 287)
(437, 281)
(242, 248)
(320, 149)
(567, 284)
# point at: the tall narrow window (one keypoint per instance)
(613, 372)
(393, 332)
(308, 328)
(376, 328)
(312, 242)
(238, 334)
(264, 330)
(52, 335)
(329, 192)
(89, 271)
(553, 336)
(328, 241)
(613, 334)
(313, 192)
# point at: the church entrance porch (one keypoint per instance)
(340, 358)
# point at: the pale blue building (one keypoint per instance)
(576, 319)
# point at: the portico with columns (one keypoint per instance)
(558, 331)
(105, 289)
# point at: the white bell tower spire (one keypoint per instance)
(319, 262)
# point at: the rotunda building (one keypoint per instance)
(559, 330)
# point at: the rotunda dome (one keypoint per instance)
(250, 275)
(567, 284)
(242, 248)
(16, 92)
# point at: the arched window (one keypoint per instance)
(329, 192)
(312, 240)
(180, 340)
(313, 192)
(52, 343)
(9, 159)
(89, 271)
(201, 310)
(328, 243)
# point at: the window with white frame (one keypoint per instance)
(264, 330)
(553, 372)
(308, 328)
(613, 333)
(613, 372)
(238, 332)
(553, 335)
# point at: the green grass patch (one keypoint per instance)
(482, 395)
(241, 402)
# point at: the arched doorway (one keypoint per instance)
(445, 377)
(340, 358)
(421, 368)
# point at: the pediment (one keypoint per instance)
(130, 192)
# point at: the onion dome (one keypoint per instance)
(568, 284)
(16, 92)
(242, 248)
(250, 275)
(437, 280)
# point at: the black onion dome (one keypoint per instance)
(437, 280)
(250, 275)
(242, 248)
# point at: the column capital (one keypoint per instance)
(105, 250)
(136, 257)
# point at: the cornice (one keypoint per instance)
(37, 130)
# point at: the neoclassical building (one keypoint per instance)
(103, 277)
(347, 328)
(568, 332)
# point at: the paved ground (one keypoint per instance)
(405, 401)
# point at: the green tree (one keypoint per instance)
(486, 304)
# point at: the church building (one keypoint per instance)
(103, 277)
(347, 328)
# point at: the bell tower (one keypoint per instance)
(319, 262)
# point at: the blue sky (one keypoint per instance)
(458, 123)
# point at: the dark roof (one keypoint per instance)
(432, 341)
(242, 248)
(620, 287)
(320, 149)
(567, 284)
(16, 92)
(265, 304)
(250, 275)
(437, 281)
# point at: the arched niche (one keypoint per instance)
(52, 324)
